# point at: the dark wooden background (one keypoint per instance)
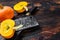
(48, 17)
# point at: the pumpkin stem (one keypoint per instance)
(1, 6)
(26, 8)
(18, 27)
(27, 11)
(28, 14)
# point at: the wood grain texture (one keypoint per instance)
(48, 17)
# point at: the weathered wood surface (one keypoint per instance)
(48, 17)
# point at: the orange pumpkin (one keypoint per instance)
(6, 28)
(21, 6)
(6, 12)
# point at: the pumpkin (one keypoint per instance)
(6, 28)
(6, 12)
(20, 7)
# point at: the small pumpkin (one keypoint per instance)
(6, 29)
(20, 7)
(6, 12)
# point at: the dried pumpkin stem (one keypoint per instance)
(15, 28)
(18, 27)
(27, 10)
(28, 13)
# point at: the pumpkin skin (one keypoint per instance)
(5, 31)
(6, 13)
(19, 7)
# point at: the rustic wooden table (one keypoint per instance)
(48, 17)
